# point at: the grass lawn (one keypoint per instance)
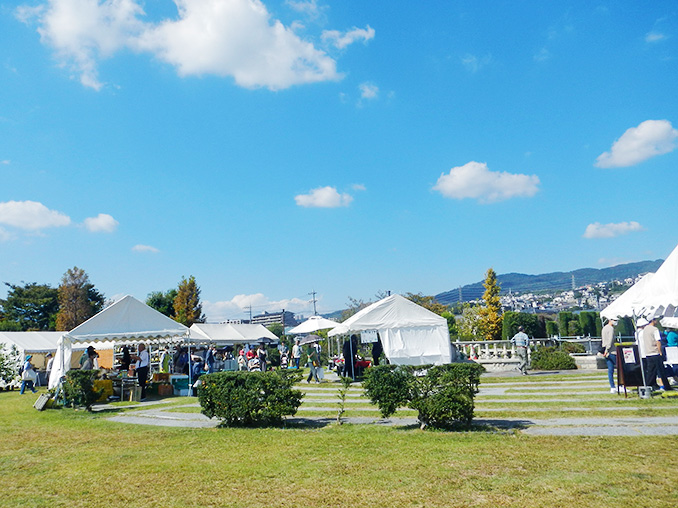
(69, 458)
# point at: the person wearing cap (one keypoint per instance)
(522, 342)
(651, 353)
(28, 376)
(609, 351)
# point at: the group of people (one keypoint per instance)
(651, 346)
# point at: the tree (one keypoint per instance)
(30, 307)
(162, 302)
(276, 329)
(451, 324)
(78, 299)
(490, 313)
(354, 305)
(187, 306)
(469, 326)
(428, 302)
(512, 320)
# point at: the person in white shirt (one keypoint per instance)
(143, 360)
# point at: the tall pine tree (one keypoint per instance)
(490, 312)
(78, 299)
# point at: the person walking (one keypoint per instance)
(522, 342)
(313, 363)
(609, 352)
(296, 354)
(28, 376)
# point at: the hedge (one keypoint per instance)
(442, 395)
(250, 398)
(549, 358)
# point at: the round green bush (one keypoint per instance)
(550, 358)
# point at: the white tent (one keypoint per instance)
(410, 334)
(227, 334)
(313, 324)
(631, 299)
(31, 342)
(127, 320)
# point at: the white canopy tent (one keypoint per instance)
(631, 299)
(313, 324)
(227, 334)
(126, 321)
(410, 334)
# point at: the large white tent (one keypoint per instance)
(227, 334)
(410, 334)
(127, 320)
(313, 324)
(655, 295)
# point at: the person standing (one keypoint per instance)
(652, 354)
(210, 358)
(296, 354)
(143, 360)
(261, 354)
(28, 376)
(50, 362)
(522, 342)
(609, 351)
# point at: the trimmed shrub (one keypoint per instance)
(551, 328)
(550, 358)
(512, 320)
(250, 398)
(79, 388)
(442, 395)
(572, 347)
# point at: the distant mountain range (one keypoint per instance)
(549, 282)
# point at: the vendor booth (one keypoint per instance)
(127, 321)
(409, 333)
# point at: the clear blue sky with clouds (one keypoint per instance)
(272, 148)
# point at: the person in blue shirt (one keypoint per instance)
(522, 342)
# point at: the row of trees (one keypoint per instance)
(40, 307)
(36, 306)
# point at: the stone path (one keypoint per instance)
(586, 387)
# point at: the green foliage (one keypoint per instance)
(343, 390)
(587, 323)
(79, 388)
(78, 299)
(469, 325)
(388, 386)
(564, 318)
(490, 313)
(551, 328)
(572, 347)
(512, 320)
(573, 328)
(550, 358)
(442, 395)
(276, 329)
(625, 327)
(162, 302)
(250, 398)
(9, 363)
(451, 324)
(187, 306)
(29, 307)
(9, 326)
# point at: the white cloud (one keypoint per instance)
(368, 91)
(637, 144)
(236, 38)
(323, 197)
(358, 187)
(238, 307)
(340, 40)
(598, 230)
(308, 7)
(144, 248)
(5, 162)
(474, 180)
(5, 236)
(102, 223)
(31, 215)
(655, 37)
(542, 55)
(474, 64)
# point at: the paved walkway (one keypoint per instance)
(532, 396)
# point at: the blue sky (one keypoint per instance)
(273, 148)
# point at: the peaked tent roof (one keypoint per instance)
(629, 300)
(662, 291)
(313, 324)
(394, 311)
(127, 319)
(34, 342)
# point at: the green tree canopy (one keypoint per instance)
(79, 300)
(32, 306)
(162, 302)
(512, 320)
(187, 305)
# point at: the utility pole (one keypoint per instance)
(313, 293)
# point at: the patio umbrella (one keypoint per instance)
(309, 339)
(266, 341)
(313, 324)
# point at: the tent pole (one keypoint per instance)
(190, 368)
(640, 356)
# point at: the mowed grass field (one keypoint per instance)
(73, 458)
